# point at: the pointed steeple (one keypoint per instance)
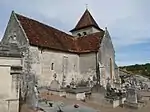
(86, 21)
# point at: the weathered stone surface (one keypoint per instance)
(131, 95)
(8, 93)
(54, 85)
(107, 66)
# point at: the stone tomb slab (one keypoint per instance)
(78, 93)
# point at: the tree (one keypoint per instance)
(143, 69)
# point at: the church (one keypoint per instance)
(85, 54)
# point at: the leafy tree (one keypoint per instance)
(143, 69)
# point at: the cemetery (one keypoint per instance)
(59, 98)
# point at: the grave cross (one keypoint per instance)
(108, 79)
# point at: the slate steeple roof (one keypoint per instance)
(86, 21)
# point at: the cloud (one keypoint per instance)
(128, 31)
(125, 63)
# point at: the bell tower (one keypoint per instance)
(86, 25)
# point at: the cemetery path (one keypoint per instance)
(91, 104)
(95, 105)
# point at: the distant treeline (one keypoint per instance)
(141, 69)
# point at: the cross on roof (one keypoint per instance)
(86, 6)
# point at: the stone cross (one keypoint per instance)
(72, 84)
(86, 6)
(55, 76)
(108, 79)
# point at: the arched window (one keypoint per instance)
(52, 66)
(79, 34)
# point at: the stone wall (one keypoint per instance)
(5, 82)
(87, 65)
(49, 62)
(76, 66)
(64, 64)
(7, 91)
(106, 57)
(10, 61)
(14, 28)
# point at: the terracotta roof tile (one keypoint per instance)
(89, 43)
(86, 21)
(42, 35)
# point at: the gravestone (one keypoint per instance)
(108, 87)
(55, 85)
(131, 95)
(133, 99)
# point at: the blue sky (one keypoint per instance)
(127, 21)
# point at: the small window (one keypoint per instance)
(84, 33)
(52, 66)
(79, 34)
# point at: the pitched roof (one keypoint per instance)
(86, 21)
(42, 35)
(89, 43)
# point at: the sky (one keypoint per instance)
(126, 20)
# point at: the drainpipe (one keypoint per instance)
(111, 74)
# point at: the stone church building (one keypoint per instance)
(87, 53)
